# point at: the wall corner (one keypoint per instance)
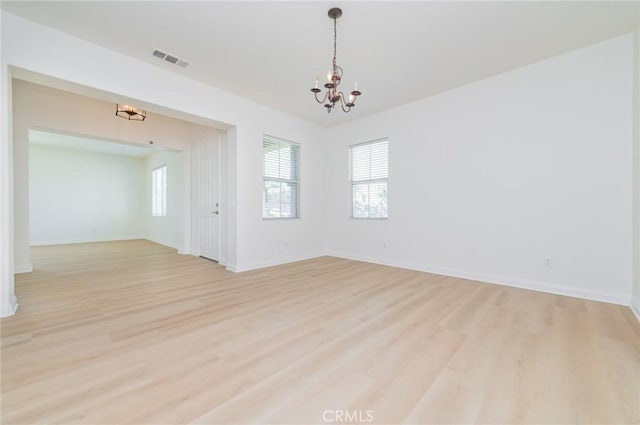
(635, 185)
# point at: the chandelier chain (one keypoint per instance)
(335, 44)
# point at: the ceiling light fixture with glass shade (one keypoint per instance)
(334, 77)
(130, 113)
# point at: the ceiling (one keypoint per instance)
(60, 140)
(271, 52)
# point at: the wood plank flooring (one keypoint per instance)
(133, 333)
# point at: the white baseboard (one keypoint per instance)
(275, 262)
(533, 285)
(165, 243)
(82, 240)
(23, 268)
(9, 309)
(222, 261)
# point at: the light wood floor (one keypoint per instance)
(132, 333)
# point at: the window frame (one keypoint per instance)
(295, 167)
(163, 208)
(353, 182)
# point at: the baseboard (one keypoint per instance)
(222, 261)
(636, 311)
(275, 262)
(165, 243)
(10, 308)
(533, 285)
(73, 241)
(23, 268)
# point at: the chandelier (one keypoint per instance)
(130, 112)
(334, 77)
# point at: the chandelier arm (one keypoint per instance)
(343, 103)
(323, 99)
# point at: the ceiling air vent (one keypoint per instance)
(170, 58)
(159, 54)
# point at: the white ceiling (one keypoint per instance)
(60, 140)
(271, 52)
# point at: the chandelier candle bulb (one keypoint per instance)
(316, 82)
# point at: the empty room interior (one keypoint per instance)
(311, 212)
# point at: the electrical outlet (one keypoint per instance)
(547, 263)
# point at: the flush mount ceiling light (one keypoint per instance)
(130, 113)
(334, 77)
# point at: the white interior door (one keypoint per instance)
(208, 179)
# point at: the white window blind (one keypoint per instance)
(159, 191)
(369, 179)
(281, 182)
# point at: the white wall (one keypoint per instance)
(82, 196)
(490, 179)
(166, 230)
(636, 174)
(8, 301)
(252, 241)
(268, 242)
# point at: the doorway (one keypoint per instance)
(161, 134)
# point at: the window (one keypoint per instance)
(159, 191)
(281, 186)
(369, 175)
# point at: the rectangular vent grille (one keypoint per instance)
(170, 58)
